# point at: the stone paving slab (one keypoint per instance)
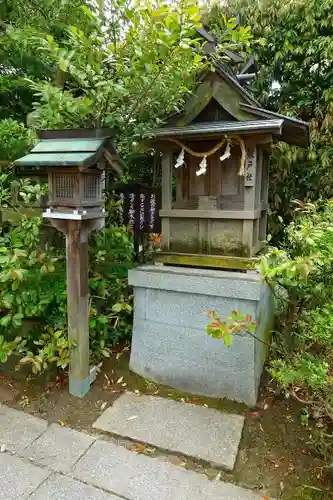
(138, 477)
(18, 478)
(58, 448)
(189, 429)
(18, 429)
(64, 488)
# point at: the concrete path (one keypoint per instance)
(191, 430)
(40, 461)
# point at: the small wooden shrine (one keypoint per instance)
(215, 168)
(215, 172)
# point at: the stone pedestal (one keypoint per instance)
(170, 344)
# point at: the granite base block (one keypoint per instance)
(170, 344)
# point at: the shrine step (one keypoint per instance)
(192, 430)
(43, 461)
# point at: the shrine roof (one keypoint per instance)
(222, 127)
(294, 131)
(221, 103)
(58, 159)
(226, 72)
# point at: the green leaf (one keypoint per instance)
(63, 65)
(15, 285)
(17, 320)
(228, 340)
(6, 320)
(3, 357)
(8, 299)
(118, 307)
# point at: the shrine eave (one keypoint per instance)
(294, 131)
(222, 128)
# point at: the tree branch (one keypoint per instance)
(139, 103)
(320, 402)
(252, 335)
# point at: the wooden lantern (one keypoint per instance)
(75, 161)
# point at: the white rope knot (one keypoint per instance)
(227, 152)
(181, 159)
(202, 166)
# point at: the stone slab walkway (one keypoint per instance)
(44, 461)
(189, 429)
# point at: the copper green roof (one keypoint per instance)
(81, 148)
(68, 145)
(80, 153)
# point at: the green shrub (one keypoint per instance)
(15, 139)
(33, 308)
(301, 274)
(111, 256)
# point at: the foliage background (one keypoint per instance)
(295, 77)
(83, 64)
(301, 275)
(70, 64)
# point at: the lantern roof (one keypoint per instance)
(81, 148)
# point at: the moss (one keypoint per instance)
(212, 261)
(146, 386)
(227, 246)
(197, 103)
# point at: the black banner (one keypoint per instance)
(139, 207)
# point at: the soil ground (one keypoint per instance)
(276, 455)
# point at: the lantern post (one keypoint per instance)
(75, 161)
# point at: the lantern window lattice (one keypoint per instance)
(75, 189)
(64, 186)
(92, 187)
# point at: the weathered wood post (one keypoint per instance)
(78, 304)
(75, 161)
(77, 233)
